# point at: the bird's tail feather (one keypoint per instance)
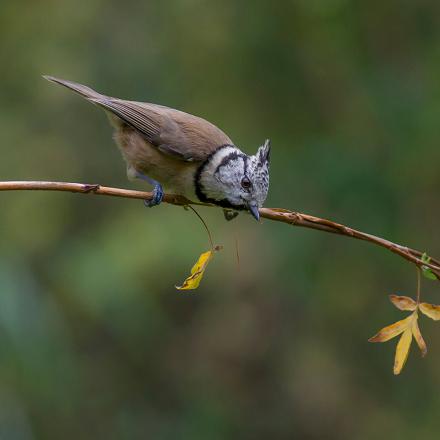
(84, 91)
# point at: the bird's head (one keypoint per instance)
(232, 179)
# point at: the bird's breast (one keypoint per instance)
(175, 175)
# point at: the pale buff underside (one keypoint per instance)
(175, 176)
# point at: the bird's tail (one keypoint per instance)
(84, 91)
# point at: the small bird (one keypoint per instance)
(183, 154)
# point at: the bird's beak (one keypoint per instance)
(253, 208)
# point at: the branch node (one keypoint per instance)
(348, 231)
(88, 188)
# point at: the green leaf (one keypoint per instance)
(427, 272)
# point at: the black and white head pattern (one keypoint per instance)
(232, 179)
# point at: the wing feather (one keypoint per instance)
(175, 133)
(138, 119)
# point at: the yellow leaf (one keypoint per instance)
(419, 338)
(197, 271)
(430, 310)
(402, 350)
(403, 302)
(393, 330)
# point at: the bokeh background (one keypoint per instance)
(95, 342)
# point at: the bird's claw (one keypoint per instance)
(157, 197)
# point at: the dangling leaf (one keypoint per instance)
(419, 338)
(392, 330)
(403, 302)
(407, 327)
(402, 350)
(430, 310)
(197, 271)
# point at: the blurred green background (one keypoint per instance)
(95, 342)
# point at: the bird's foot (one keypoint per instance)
(157, 190)
(157, 196)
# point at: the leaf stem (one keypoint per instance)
(418, 284)
(237, 252)
(205, 225)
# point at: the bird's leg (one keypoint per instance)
(157, 190)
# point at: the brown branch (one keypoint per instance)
(276, 214)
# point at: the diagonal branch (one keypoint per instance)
(280, 215)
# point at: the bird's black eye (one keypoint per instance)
(246, 183)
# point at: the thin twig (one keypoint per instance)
(280, 215)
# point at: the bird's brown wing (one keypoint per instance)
(173, 132)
